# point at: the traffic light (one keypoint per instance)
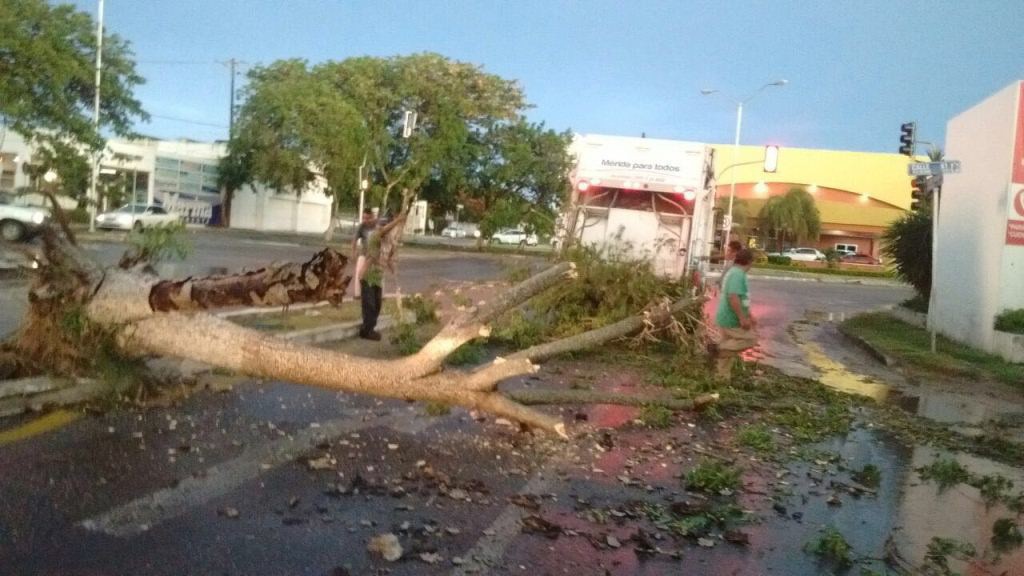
(907, 131)
(918, 192)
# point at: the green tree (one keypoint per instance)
(455, 102)
(519, 175)
(792, 216)
(908, 241)
(47, 67)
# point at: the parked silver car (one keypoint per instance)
(136, 217)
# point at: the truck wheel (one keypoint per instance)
(12, 230)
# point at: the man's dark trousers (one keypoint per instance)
(372, 297)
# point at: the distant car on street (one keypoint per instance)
(136, 217)
(514, 236)
(453, 232)
(860, 259)
(19, 223)
(804, 254)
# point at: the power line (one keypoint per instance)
(187, 121)
(177, 62)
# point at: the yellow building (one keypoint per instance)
(858, 194)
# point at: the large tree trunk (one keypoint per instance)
(146, 315)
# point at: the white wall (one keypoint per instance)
(263, 209)
(972, 279)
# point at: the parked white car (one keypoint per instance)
(804, 254)
(19, 223)
(514, 236)
(136, 217)
(453, 232)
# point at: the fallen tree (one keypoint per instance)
(140, 314)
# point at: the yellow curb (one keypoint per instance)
(42, 425)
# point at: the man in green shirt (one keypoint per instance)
(733, 316)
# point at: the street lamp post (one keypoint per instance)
(96, 118)
(736, 147)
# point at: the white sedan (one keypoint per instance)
(136, 217)
(804, 254)
(514, 236)
(453, 232)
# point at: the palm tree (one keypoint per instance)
(792, 216)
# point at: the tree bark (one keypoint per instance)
(539, 397)
(147, 315)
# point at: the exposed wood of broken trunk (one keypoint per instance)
(166, 317)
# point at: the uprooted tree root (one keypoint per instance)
(76, 306)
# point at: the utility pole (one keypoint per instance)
(232, 63)
(91, 208)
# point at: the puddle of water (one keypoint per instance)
(958, 513)
(837, 376)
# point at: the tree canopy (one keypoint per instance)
(470, 144)
(792, 216)
(47, 67)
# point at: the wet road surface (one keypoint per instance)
(270, 478)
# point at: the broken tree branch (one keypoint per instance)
(539, 397)
(475, 321)
(598, 336)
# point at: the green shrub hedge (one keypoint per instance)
(1011, 321)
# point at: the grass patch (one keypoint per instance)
(869, 476)
(940, 550)
(912, 345)
(1006, 535)
(828, 271)
(832, 547)
(405, 339)
(712, 477)
(656, 416)
(469, 354)
(945, 472)
(757, 437)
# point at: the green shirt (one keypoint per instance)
(735, 282)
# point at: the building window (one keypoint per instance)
(851, 248)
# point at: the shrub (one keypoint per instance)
(780, 260)
(656, 416)
(1011, 321)
(832, 258)
(908, 242)
(79, 215)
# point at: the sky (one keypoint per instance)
(855, 70)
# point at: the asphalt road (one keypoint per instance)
(219, 252)
(223, 483)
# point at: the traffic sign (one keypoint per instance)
(933, 168)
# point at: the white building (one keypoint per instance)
(979, 269)
(261, 208)
(180, 175)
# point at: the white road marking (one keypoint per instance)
(148, 511)
(490, 548)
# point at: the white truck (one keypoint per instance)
(645, 197)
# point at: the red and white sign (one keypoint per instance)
(1015, 217)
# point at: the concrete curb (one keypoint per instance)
(868, 347)
(836, 279)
